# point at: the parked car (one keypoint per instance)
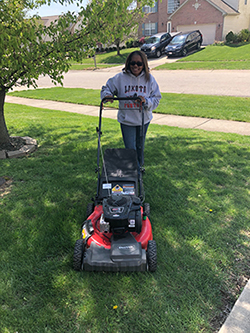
(155, 45)
(184, 43)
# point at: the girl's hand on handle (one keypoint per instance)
(109, 98)
(142, 99)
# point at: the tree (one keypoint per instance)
(128, 24)
(29, 49)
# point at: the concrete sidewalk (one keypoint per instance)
(238, 320)
(206, 124)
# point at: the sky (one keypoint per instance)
(56, 9)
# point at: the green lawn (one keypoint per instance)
(197, 184)
(89, 65)
(209, 57)
(216, 107)
(214, 57)
(104, 60)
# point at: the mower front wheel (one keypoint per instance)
(152, 256)
(78, 255)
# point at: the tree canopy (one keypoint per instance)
(128, 24)
(28, 48)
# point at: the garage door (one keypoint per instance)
(207, 30)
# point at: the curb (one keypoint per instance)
(238, 321)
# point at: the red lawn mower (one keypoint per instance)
(117, 234)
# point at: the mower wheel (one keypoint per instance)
(146, 209)
(78, 255)
(152, 256)
(90, 209)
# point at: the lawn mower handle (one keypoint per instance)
(105, 99)
(133, 98)
(98, 129)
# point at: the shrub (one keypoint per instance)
(218, 43)
(244, 35)
(231, 37)
(129, 43)
(136, 43)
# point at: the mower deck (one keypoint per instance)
(125, 254)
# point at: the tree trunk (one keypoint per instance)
(95, 60)
(118, 49)
(4, 135)
(117, 44)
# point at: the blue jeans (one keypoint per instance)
(131, 139)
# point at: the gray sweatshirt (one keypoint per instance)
(127, 85)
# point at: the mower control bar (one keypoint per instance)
(98, 129)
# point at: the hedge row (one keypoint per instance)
(242, 37)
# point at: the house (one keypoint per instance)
(48, 20)
(214, 18)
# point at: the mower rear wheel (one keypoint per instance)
(146, 209)
(152, 256)
(78, 255)
(90, 209)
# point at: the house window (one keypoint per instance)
(149, 29)
(173, 5)
(245, 2)
(148, 9)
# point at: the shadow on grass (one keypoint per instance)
(197, 189)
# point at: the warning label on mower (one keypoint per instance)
(117, 189)
(128, 189)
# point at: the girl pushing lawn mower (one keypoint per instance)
(117, 234)
(134, 80)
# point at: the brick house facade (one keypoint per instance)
(214, 18)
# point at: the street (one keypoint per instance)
(219, 82)
(204, 82)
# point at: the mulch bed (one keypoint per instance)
(15, 143)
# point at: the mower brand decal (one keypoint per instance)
(117, 189)
(106, 186)
(126, 247)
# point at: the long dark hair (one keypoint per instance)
(144, 61)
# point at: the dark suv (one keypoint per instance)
(183, 43)
(155, 45)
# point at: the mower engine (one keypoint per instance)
(121, 213)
